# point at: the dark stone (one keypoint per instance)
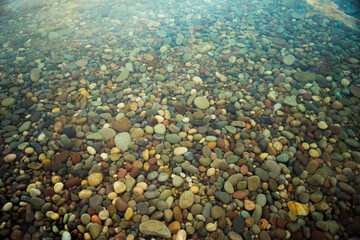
(238, 224)
(70, 133)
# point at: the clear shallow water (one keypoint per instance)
(194, 114)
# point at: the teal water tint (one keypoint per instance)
(137, 119)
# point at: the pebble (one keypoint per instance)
(154, 228)
(253, 183)
(179, 129)
(289, 60)
(180, 151)
(186, 199)
(122, 141)
(201, 103)
(95, 179)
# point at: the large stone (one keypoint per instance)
(186, 199)
(202, 103)
(122, 125)
(355, 90)
(35, 74)
(154, 228)
(95, 179)
(298, 209)
(7, 102)
(290, 100)
(107, 133)
(123, 76)
(95, 230)
(253, 183)
(122, 141)
(305, 76)
(289, 60)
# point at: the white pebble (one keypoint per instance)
(35, 192)
(104, 156)
(66, 236)
(91, 150)
(186, 120)
(58, 187)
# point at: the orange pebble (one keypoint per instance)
(212, 145)
(138, 191)
(113, 65)
(290, 188)
(95, 219)
(250, 68)
(248, 125)
(166, 122)
(202, 169)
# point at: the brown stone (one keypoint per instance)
(122, 125)
(239, 195)
(317, 235)
(73, 182)
(263, 235)
(281, 223)
(177, 214)
(49, 192)
(35, 165)
(121, 205)
(75, 158)
(298, 235)
(17, 235)
(63, 156)
(55, 166)
(134, 172)
(174, 227)
(180, 107)
(278, 233)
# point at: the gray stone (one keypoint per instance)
(283, 157)
(177, 181)
(253, 183)
(163, 177)
(37, 203)
(189, 168)
(107, 133)
(262, 174)
(261, 200)
(160, 129)
(290, 100)
(25, 126)
(224, 197)
(202, 103)
(123, 76)
(122, 141)
(289, 60)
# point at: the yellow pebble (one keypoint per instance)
(83, 182)
(55, 110)
(55, 179)
(81, 228)
(281, 187)
(54, 216)
(194, 189)
(22, 172)
(87, 236)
